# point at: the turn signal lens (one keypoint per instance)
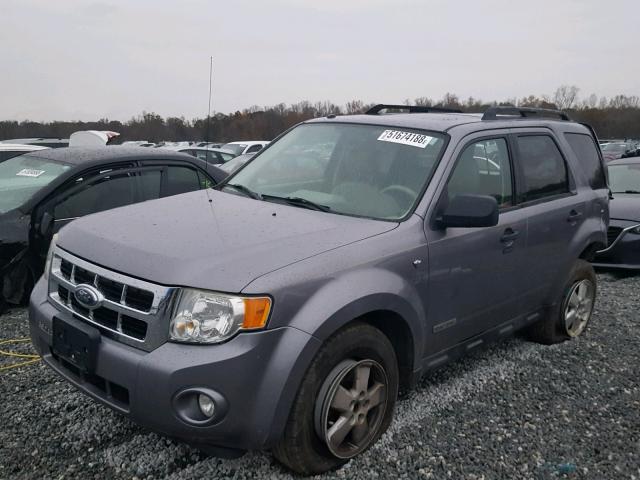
(256, 312)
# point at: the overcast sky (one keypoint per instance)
(85, 60)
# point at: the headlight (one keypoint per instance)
(47, 265)
(209, 317)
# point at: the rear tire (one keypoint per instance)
(335, 397)
(571, 313)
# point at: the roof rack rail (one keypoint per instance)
(411, 108)
(492, 113)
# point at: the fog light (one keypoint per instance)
(207, 405)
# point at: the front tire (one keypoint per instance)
(344, 404)
(571, 314)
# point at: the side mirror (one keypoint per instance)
(45, 224)
(468, 211)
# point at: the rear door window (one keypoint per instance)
(181, 180)
(544, 171)
(150, 184)
(584, 148)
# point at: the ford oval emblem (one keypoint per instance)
(88, 296)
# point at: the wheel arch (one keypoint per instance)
(589, 252)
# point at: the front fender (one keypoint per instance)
(334, 305)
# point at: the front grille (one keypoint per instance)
(612, 234)
(138, 299)
(133, 311)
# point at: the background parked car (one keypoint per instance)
(45, 190)
(623, 235)
(10, 150)
(240, 148)
(613, 151)
(213, 156)
(235, 163)
(40, 142)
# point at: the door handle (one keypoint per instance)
(509, 236)
(574, 216)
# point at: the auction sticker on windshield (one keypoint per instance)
(29, 172)
(405, 138)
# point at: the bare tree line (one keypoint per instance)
(615, 117)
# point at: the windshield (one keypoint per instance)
(236, 148)
(360, 170)
(21, 177)
(624, 178)
(615, 147)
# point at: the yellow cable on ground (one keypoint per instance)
(31, 357)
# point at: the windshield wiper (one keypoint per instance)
(246, 190)
(299, 202)
(629, 191)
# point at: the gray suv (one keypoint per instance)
(286, 308)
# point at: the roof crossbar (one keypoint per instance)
(375, 110)
(493, 113)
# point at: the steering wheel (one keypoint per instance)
(401, 194)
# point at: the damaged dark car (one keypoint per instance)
(43, 191)
(623, 249)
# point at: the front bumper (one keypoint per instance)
(258, 375)
(623, 251)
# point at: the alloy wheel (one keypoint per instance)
(351, 406)
(579, 305)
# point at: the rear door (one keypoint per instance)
(547, 195)
(475, 274)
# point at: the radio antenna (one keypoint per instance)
(209, 110)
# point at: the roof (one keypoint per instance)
(81, 155)
(443, 122)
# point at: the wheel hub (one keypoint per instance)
(350, 406)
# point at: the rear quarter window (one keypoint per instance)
(584, 148)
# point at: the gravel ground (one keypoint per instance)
(515, 410)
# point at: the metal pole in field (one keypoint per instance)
(209, 110)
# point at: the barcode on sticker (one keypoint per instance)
(405, 138)
(28, 172)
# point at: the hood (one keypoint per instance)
(625, 206)
(209, 239)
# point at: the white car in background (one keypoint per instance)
(10, 150)
(240, 148)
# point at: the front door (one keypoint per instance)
(475, 274)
